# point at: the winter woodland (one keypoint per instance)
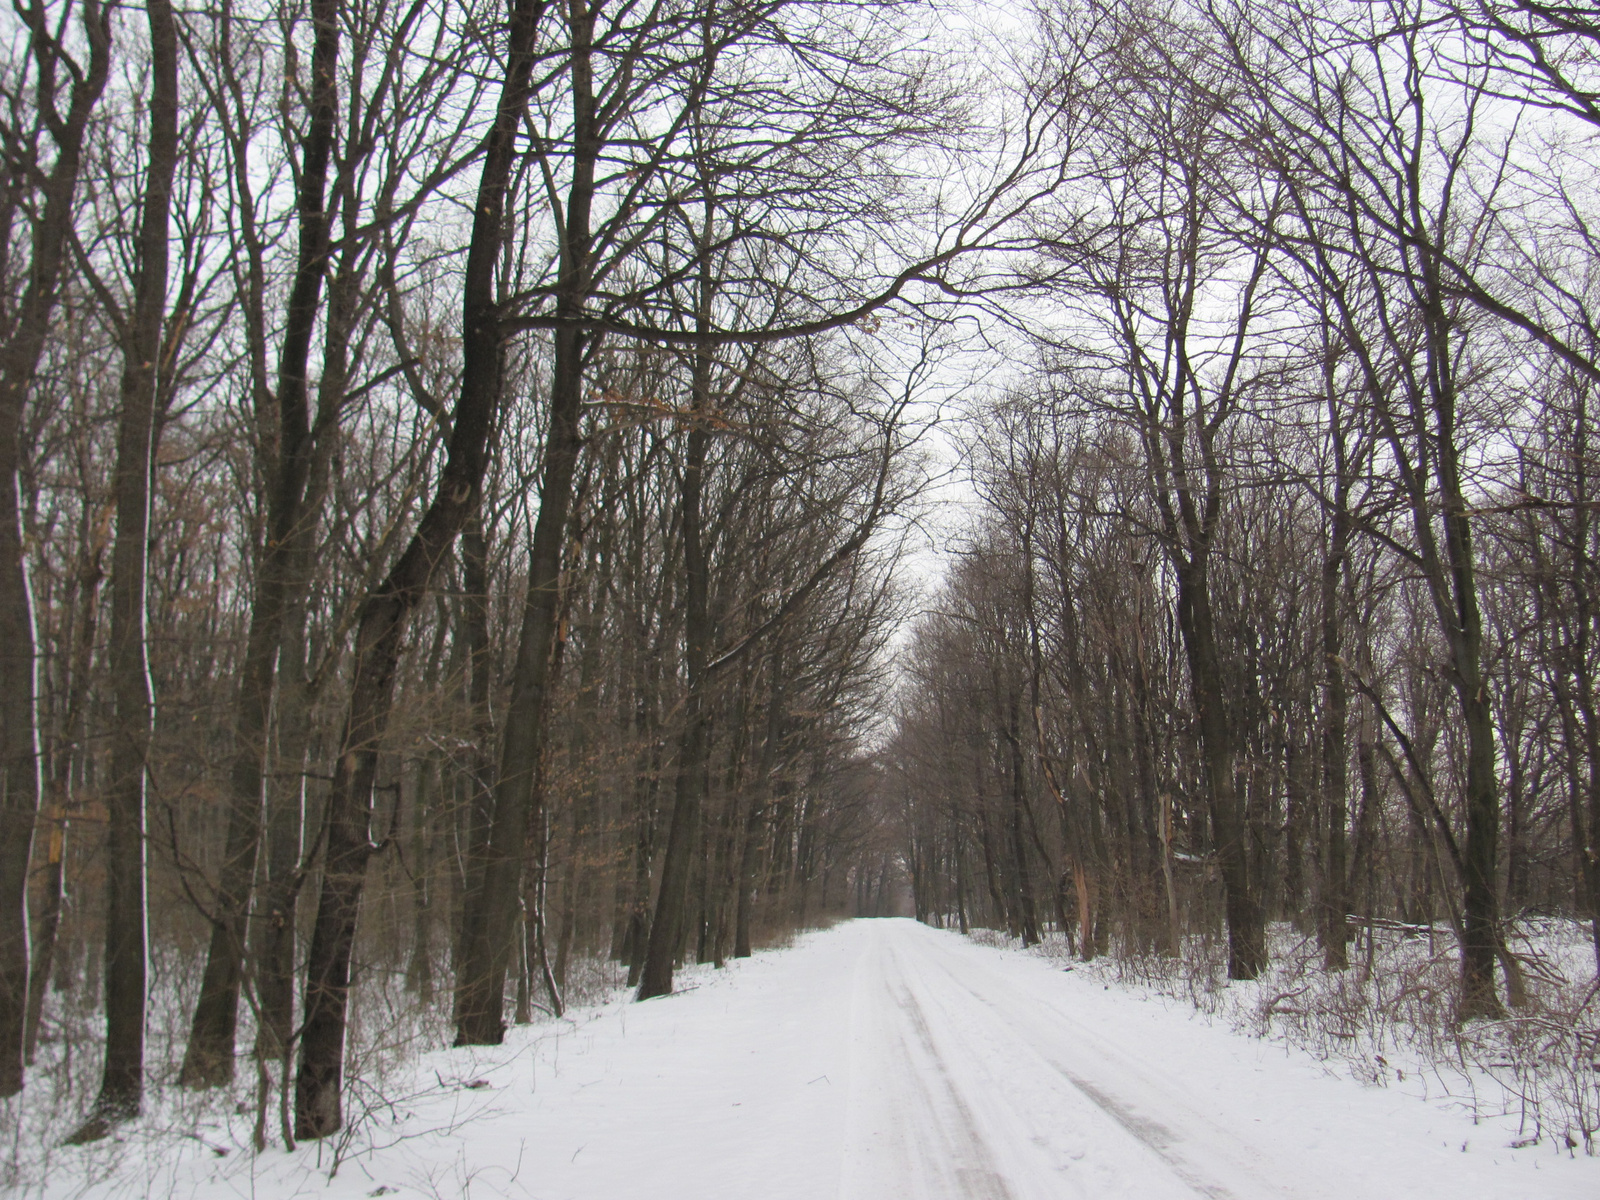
(505, 504)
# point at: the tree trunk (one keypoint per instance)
(694, 748)
(1481, 908)
(122, 1076)
(419, 965)
(273, 934)
(46, 918)
(1333, 927)
(19, 362)
(474, 774)
(636, 937)
(1246, 922)
(1453, 584)
(684, 833)
(1027, 918)
(384, 614)
(485, 938)
(283, 563)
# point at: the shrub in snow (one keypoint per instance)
(1390, 1018)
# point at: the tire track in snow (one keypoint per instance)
(981, 1181)
(1149, 1132)
(1022, 1019)
(914, 1134)
(1065, 1135)
(972, 1109)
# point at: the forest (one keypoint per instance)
(468, 473)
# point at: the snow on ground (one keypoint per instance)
(872, 1061)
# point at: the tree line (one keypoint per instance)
(452, 465)
(1279, 599)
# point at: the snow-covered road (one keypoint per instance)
(976, 1073)
(877, 1060)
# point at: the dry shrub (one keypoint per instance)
(1390, 1016)
(1545, 1056)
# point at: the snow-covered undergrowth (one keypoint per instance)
(1388, 1020)
(391, 1028)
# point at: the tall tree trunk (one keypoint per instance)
(45, 923)
(273, 932)
(283, 561)
(122, 1075)
(384, 614)
(672, 894)
(419, 964)
(1028, 920)
(1452, 584)
(1582, 571)
(475, 772)
(1333, 927)
(1246, 921)
(749, 853)
(578, 894)
(694, 749)
(760, 794)
(991, 875)
(489, 916)
(19, 362)
(1481, 907)
(636, 936)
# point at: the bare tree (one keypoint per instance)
(385, 611)
(48, 191)
(360, 185)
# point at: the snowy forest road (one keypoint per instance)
(965, 1084)
(986, 1075)
(881, 1060)
(877, 1060)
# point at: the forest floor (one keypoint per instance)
(870, 1061)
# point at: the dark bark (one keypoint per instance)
(991, 876)
(274, 927)
(1583, 813)
(636, 931)
(1181, 417)
(1335, 906)
(1246, 920)
(749, 854)
(283, 562)
(1566, 615)
(419, 862)
(1027, 918)
(476, 771)
(694, 746)
(1450, 574)
(1454, 586)
(122, 1074)
(1481, 905)
(646, 793)
(384, 614)
(578, 893)
(755, 818)
(1408, 269)
(488, 919)
(19, 362)
(1296, 823)
(45, 921)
